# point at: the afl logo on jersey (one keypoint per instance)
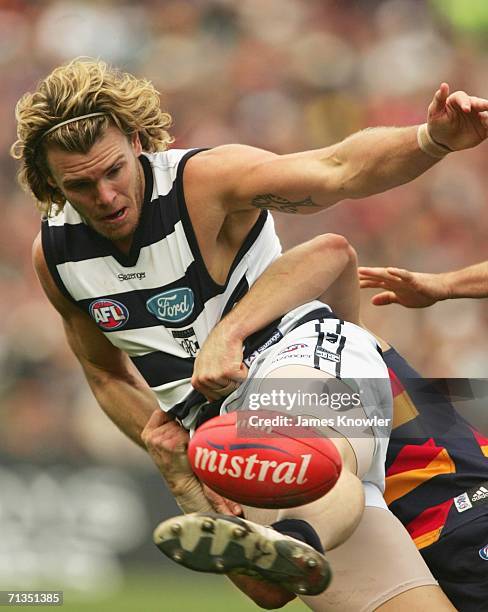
(109, 315)
(484, 553)
(172, 306)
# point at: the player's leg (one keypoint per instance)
(343, 293)
(379, 568)
(339, 511)
(242, 549)
(398, 578)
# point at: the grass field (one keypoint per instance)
(176, 593)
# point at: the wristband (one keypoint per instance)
(428, 145)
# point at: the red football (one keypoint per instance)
(278, 467)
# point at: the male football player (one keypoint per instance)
(150, 247)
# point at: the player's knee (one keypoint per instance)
(333, 242)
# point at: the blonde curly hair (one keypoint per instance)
(81, 87)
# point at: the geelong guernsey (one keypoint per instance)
(158, 303)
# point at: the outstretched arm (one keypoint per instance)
(418, 289)
(368, 162)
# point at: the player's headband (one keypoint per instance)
(58, 125)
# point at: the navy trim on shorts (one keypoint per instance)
(340, 348)
(320, 340)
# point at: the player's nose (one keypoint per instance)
(106, 194)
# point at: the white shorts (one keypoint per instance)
(341, 350)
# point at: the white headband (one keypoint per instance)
(58, 125)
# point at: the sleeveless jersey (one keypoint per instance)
(437, 463)
(158, 303)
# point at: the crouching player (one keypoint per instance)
(376, 565)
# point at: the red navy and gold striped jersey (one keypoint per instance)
(437, 463)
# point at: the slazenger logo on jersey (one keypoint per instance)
(250, 468)
(484, 553)
(109, 315)
(172, 306)
(462, 502)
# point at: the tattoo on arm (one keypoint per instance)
(270, 201)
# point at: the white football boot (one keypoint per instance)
(217, 543)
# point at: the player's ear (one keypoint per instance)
(135, 142)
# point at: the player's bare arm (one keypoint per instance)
(322, 268)
(127, 400)
(117, 385)
(368, 162)
(419, 289)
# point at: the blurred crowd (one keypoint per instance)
(285, 75)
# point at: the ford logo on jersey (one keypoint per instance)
(484, 553)
(109, 315)
(172, 306)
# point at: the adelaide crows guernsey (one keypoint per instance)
(437, 463)
(158, 303)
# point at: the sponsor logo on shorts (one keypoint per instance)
(109, 315)
(330, 337)
(325, 354)
(172, 306)
(131, 276)
(480, 494)
(462, 502)
(292, 347)
(484, 553)
(290, 356)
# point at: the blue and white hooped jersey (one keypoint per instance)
(158, 303)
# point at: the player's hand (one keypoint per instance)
(167, 444)
(457, 121)
(410, 289)
(218, 369)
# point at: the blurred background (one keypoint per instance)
(77, 501)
